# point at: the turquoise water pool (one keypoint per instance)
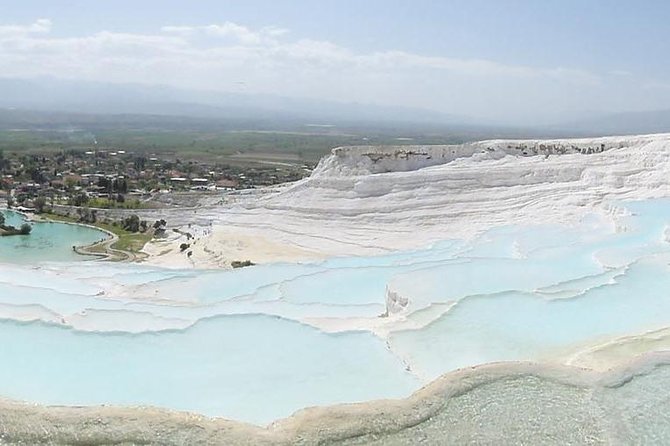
(258, 343)
(47, 241)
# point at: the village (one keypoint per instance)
(109, 178)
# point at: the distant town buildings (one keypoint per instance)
(121, 174)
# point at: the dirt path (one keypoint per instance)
(105, 250)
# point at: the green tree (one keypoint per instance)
(132, 223)
(79, 199)
(70, 183)
(39, 204)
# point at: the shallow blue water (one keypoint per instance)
(47, 241)
(246, 343)
(244, 367)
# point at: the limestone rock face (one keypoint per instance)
(395, 303)
(365, 160)
(372, 200)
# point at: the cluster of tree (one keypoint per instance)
(140, 162)
(4, 162)
(160, 227)
(114, 201)
(79, 199)
(24, 229)
(39, 203)
(87, 215)
(116, 185)
(134, 224)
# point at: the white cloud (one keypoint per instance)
(39, 26)
(274, 31)
(238, 32)
(229, 30)
(183, 30)
(220, 56)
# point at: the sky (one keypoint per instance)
(509, 62)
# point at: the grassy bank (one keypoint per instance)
(127, 241)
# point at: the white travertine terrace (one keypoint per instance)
(530, 259)
(374, 200)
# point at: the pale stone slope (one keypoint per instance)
(370, 200)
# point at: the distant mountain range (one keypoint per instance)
(641, 122)
(57, 104)
(103, 98)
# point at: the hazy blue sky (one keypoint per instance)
(508, 61)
